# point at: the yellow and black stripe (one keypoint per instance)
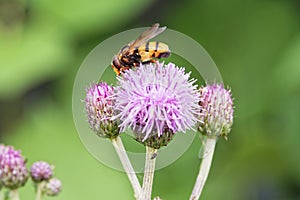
(150, 50)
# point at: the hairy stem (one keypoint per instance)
(14, 195)
(39, 192)
(119, 147)
(148, 173)
(209, 148)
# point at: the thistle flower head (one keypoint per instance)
(99, 105)
(13, 171)
(155, 99)
(217, 110)
(40, 171)
(52, 187)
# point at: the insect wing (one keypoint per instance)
(145, 36)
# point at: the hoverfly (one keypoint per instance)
(140, 51)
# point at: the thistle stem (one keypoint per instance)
(14, 195)
(209, 148)
(119, 147)
(148, 173)
(39, 192)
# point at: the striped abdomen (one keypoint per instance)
(150, 50)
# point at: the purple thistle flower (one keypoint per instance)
(52, 187)
(155, 99)
(99, 105)
(217, 110)
(40, 171)
(13, 171)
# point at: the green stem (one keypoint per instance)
(39, 191)
(148, 173)
(14, 194)
(119, 147)
(209, 148)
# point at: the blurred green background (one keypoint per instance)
(255, 44)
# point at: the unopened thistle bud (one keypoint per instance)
(99, 106)
(156, 101)
(217, 111)
(40, 171)
(13, 171)
(52, 187)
